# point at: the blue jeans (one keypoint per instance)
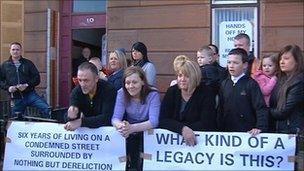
(31, 99)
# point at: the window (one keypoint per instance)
(230, 18)
(233, 2)
(89, 6)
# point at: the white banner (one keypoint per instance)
(48, 146)
(165, 150)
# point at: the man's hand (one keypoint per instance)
(254, 131)
(72, 125)
(12, 89)
(22, 87)
(189, 136)
(73, 112)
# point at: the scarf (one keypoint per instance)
(139, 63)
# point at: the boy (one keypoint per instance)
(210, 74)
(242, 107)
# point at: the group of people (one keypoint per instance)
(246, 96)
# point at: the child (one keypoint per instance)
(242, 107)
(265, 76)
(210, 74)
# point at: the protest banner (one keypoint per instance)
(165, 150)
(48, 146)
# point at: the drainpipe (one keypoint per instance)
(48, 57)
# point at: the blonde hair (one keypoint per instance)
(121, 58)
(206, 49)
(182, 64)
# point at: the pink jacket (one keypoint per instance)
(266, 84)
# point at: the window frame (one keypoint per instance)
(238, 4)
(234, 2)
(105, 11)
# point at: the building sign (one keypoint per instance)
(88, 21)
(228, 30)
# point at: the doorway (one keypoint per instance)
(86, 38)
(79, 27)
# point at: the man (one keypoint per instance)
(92, 101)
(242, 40)
(215, 57)
(19, 76)
(223, 72)
(86, 55)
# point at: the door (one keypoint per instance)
(77, 17)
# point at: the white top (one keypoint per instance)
(236, 79)
(150, 72)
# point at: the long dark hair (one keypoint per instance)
(285, 80)
(141, 47)
(146, 89)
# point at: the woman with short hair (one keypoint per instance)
(117, 64)
(189, 105)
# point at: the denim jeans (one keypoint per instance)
(31, 99)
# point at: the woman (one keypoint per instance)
(287, 99)
(189, 105)
(117, 64)
(136, 110)
(140, 58)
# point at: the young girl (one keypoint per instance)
(136, 110)
(265, 76)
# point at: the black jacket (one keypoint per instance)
(98, 111)
(290, 119)
(26, 73)
(223, 72)
(241, 106)
(250, 63)
(211, 76)
(199, 113)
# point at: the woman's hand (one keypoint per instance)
(127, 129)
(189, 136)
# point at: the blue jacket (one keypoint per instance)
(116, 79)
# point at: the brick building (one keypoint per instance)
(52, 31)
